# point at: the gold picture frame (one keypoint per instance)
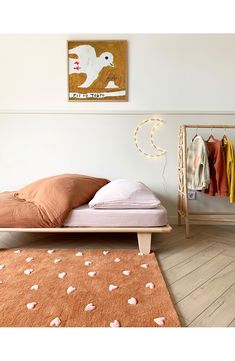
(97, 70)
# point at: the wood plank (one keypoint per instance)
(193, 305)
(220, 313)
(232, 324)
(229, 251)
(220, 234)
(195, 279)
(183, 253)
(166, 246)
(179, 245)
(224, 238)
(190, 264)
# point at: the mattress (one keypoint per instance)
(85, 216)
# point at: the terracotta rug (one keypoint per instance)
(83, 288)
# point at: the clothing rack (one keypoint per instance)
(183, 207)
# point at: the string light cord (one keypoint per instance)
(163, 173)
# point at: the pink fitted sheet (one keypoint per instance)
(85, 216)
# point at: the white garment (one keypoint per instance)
(198, 172)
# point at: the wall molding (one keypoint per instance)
(119, 112)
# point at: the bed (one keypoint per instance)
(50, 206)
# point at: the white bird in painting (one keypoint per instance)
(87, 62)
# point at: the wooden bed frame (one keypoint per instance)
(144, 234)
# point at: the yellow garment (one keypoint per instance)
(230, 166)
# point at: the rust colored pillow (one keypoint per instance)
(57, 195)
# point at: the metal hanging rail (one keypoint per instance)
(183, 207)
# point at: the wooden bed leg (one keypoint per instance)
(144, 241)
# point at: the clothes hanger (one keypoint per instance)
(211, 137)
(225, 135)
(196, 134)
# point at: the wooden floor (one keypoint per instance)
(199, 272)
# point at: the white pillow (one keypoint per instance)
(124, 193)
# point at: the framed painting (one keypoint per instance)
(97, 70)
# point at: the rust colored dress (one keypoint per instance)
(218, 177)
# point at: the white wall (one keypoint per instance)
(178, 72)
(166, 72)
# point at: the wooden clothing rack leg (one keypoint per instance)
(182, 179)
(183, 208)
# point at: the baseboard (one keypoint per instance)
(174, 220)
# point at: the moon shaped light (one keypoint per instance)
(156, 123)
